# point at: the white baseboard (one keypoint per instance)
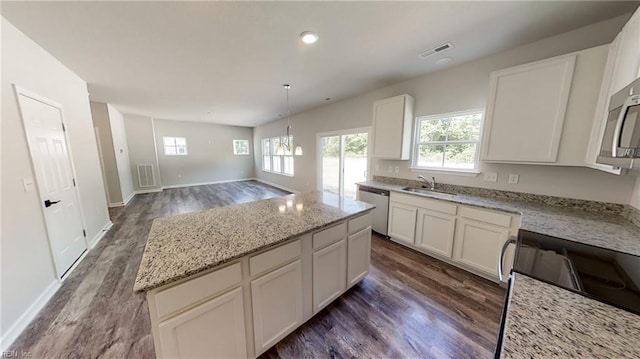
(206, 183)
(277, 186)
(128, 199)
(23, 321)
(99, 235)
(123, 203)
(143, 191)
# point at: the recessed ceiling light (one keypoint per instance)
(309, 37)
(443, 61)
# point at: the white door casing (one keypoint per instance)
(44, 129)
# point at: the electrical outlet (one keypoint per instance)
(397, 169)
(390, 169)
(491, 176)
(514, 178)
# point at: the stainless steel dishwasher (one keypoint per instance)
(380, 199)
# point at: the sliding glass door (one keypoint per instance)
(344, 161)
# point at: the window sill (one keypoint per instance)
(452, 172)
(278, 173)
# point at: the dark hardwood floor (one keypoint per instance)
(409, 306)
(95, 313)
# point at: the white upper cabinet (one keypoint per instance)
(526, 110)
(623, 66)
(392, 124)
(627, 60)
(541, 113)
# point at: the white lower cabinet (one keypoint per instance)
(216, 326)
(359, 256)
(277, 305)
(478, 245)
(329, 274)
(466, 236)
(402, 222)
(435, 232)
(269, 294)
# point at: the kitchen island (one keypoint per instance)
(233, 281)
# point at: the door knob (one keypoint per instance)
(49, 203)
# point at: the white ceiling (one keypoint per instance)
(225, 62)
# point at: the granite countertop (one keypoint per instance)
(606, 230)
(545, 321)
(183, 245)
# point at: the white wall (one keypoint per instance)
(121, 153)
(210, 153)
(27, 269)
(100, 115)
(457, 88)
(142, 148)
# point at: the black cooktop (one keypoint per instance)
(606, 275)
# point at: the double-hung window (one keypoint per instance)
(175, 146)
(448, 141)
(281, 163)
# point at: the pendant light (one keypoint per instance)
(285, 148)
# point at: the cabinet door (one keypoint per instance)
(359, 256)
(402, 222)
(627, 65)
(329, 274)
(435, 231)
(213, 329)
(478, 245)
(392, 127)
(277, 305)
(526, 111)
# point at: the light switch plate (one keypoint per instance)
(28, 184)
(390, 169)
(491, 176)
(514, 178)
(397, 169)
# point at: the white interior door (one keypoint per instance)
(54, 175)
(344, 161)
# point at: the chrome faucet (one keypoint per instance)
(432, 185)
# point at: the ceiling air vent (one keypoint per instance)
(435, 50)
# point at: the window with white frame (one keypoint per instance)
(448, 141)
(175, 146)
(240, 147)
(274, 162)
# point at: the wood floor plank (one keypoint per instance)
(409, 306)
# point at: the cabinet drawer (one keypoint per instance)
(427, 203)
(498, 219)
(439, 206)
(329, 235)
(359, 223)
(183, 295)
(275, 257)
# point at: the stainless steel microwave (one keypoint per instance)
(621, 141)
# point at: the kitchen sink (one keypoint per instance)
(427, 191)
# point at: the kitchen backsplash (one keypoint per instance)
(592, 206)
